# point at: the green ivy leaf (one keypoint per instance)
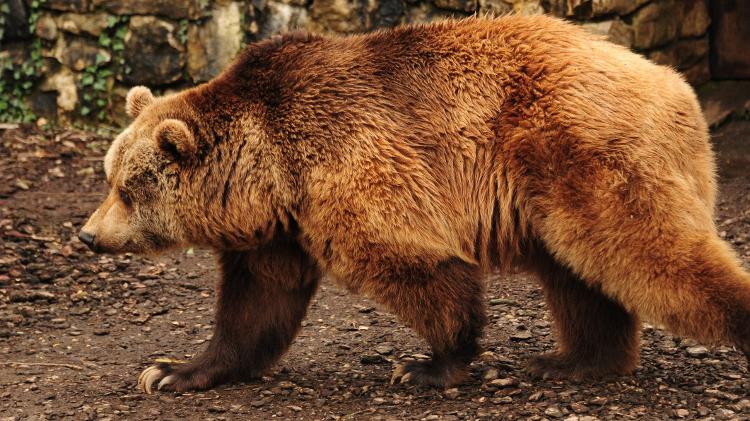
(121, 32)
(105, 40)
(85, 110)
(101, 58)
(100, 85)
(87, 79)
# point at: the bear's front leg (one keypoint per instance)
(262, 297)
(443, 302)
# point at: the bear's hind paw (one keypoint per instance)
(559, 366)
(427, 373)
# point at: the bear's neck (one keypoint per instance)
(242, 192)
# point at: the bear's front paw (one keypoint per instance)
(428, 373)
(178, 376)
(161, 372)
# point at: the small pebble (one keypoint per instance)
(491, 374)
(553, 411)
(384, 349)
(697, 351)
(452, 393)
(505, 382)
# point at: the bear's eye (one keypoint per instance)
(125, 197)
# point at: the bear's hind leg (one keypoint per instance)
(444, 303)
(596, 336)
(262, 297)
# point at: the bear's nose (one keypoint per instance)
(87, 238)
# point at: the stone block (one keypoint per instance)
(153, 52)
(343, 16)
(528, 7)
(494, 7)
(656, 24)
(587, 9)
(661, 22)
(695, 18)
(175, 9)
(46, 27)
(682, 54)
(280, 17)
(63, 83)
(598, 28)
(90, 23)
(621, 33)
(78, 6)
(460, 5)
(77, 53)
(214, 44)
(730, 38)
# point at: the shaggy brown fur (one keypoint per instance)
(406, 164)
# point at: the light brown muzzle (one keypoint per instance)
(108, 230)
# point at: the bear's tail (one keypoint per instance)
(691, 283)
(703, 293)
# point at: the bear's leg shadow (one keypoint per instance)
(596, 336)
(262, 297)
(444, 303)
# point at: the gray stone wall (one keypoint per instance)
(84, 54)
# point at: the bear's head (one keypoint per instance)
(143, 210)
(193, 168)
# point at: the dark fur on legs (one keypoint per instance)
(262, 298)
(596, 335)
(444, 304)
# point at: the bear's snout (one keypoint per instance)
(87, 238)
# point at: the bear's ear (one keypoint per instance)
(174, 137)
(138, 98)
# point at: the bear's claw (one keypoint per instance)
(400, 375)
(166, 381)
(149, 376)
(162, 371)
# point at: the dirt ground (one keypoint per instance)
(76, 328)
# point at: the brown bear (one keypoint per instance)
(405, 164)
